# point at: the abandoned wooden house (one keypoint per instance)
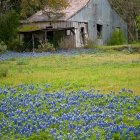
(82, 20)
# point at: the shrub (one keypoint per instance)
(3, 72)
(16, 45)
(117, 38)
(3, 47)
(138, 22)
(8, 26)
(45, 47)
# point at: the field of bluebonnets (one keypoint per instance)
(32, 110)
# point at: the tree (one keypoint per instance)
(8, 26)
(13, 10)
(138, 22)
(128, 10)
(28, 8)
(8, 5)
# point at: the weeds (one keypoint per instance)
(117, 38)
(3, 72)
(22, 62)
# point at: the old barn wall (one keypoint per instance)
(97, 18)
(100, 12)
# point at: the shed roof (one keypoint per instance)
(74, 7)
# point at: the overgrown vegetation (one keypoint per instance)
(8, 26)
(17, 46)
(12, 11)
(3, 72)
(117, 38)
(128, 10)
(138, 22)
(3, 47)
(66, 43)
(90, 44)
(28, 28)
(45, 47)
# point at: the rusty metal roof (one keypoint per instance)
(74, 7)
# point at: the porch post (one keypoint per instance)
(45, 36)
(19, 38)
(33, 41)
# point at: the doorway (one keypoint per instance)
(82, 35)
(50, 36)
(99, 31)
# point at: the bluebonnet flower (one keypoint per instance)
(76, 112)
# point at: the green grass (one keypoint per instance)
(107, 69)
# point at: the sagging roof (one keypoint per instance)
(74, 7)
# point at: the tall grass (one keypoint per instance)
(3, 72)
(106, 71)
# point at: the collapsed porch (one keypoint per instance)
(64, 34)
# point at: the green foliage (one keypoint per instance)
(138, 22)
(128, 10)
(3, 47)
(8, 26)
(46, 47)
(3, 72)
(22, 62)
(108, 70)
(28, 8)
(117, 38)
(116, 136)
(28, 28)
(41, 136)
(16, 45)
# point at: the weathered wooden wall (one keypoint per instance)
(100, 12)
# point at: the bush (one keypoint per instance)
(3, 47)
(117, 38)
(45, 47)
(138, 22)
(8, 26)
(16, 45)
(3, 72)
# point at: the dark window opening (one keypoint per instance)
(99, 31)
(49, 27)
(50, 36)
(118, 29)
(83, 35)
(30, 40)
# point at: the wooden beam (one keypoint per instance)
(45, 36)
(33, 42)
